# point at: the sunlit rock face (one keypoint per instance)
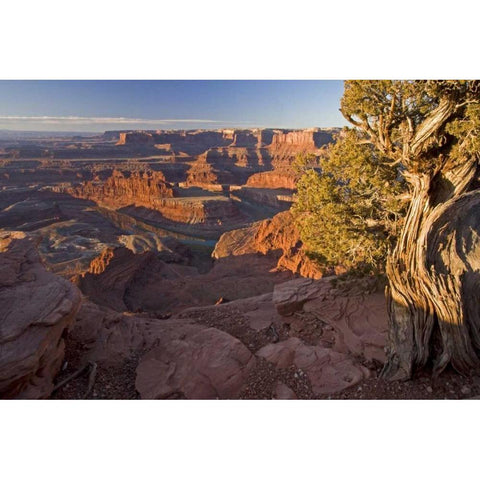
(276, 238)
(141, 189)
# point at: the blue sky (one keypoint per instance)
(115, 105)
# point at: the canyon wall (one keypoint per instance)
(201, 212)
(277, 237)
(255, 137)
(191, 142)
(310, 138)
(109, 275)
(143, 189)
(148, 196)
(281, 178)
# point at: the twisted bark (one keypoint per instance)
(434, 277)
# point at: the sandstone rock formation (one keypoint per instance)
(217, 181)
(358, 323)
(277, 238)
(231, 156)
(143, 189)
(191, 142)
(287, 145)
(108, 337)
(36, 309)
(147, 196)
(125, 138)
(329, 337)
(206, 139)
(312, 137)
(291, 296)
(257, 152)
(202, 211)
(274, 179)
(30, 214)
(227, 165)
(355, 312)
(110, 274)
(159, 317)
(166, 289)
(203, 173)
(170, 249)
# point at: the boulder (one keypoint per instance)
(109, 337)
(194, 362)
(328, 371)
(178, 358)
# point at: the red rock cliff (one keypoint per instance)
(313, 138)
(201, 211)
(281, 178)
(136, 138)
(275, 237)
(141, 189)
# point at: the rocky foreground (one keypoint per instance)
(307, 339)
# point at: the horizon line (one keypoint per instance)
(239, 127)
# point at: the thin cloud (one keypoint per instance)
(75, 120)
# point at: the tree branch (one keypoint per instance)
(431, 125)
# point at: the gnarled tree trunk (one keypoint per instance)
(434, 276)
(430, 130)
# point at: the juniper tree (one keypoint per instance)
(430, 131)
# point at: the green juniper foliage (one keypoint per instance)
(348, 213)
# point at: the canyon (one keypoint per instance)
(167, 264)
